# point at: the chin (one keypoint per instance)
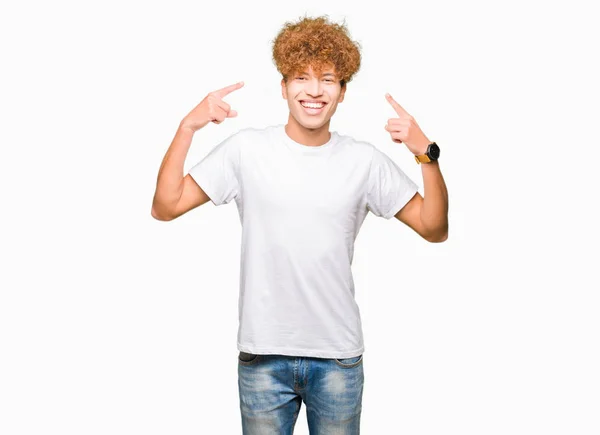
(312, 124)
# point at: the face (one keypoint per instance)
(305, 86)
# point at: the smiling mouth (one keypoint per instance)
(309, 105)
(312, 108)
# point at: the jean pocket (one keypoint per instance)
(349, 362)
(246, 358)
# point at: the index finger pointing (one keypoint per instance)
(397, 107)
(228, 89)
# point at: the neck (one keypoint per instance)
(307, 136)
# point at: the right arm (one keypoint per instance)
(176, 194)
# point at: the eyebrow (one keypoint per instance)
(305, 73)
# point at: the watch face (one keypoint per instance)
(433, 151)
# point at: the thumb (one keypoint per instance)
(232, 114)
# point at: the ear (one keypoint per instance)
(283, 89)
(342, 93)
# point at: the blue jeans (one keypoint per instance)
(273, 387)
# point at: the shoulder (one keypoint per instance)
(252, 142)
(374, 159)
(254, 134)
(236, 139)
(361, 148)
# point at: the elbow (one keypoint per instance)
(163, 218)
(438, 239)
(434, 229)
(438, 236)
(155, 215)
(160, 215)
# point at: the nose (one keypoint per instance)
(313, 87)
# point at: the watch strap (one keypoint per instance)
(423, 158)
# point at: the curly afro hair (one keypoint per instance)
(318, 43)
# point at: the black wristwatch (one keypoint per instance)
(431, 155)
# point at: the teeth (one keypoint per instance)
(313, 105)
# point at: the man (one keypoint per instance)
(302, 194)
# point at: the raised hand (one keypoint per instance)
(405, 129)
(211, 109)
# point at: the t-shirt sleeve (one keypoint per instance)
(388, 187)
(217, 173)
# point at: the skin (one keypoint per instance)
(304, 128)
(176, 195)
(428, 218)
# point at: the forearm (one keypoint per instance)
(434, 213)
(169, 182)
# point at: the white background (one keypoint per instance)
(112, 322)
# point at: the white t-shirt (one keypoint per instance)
(301, 208)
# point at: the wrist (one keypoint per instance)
(422, 147)
(186, 128)
(431, 154)
(431, 164)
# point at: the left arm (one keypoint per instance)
(428, 216)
